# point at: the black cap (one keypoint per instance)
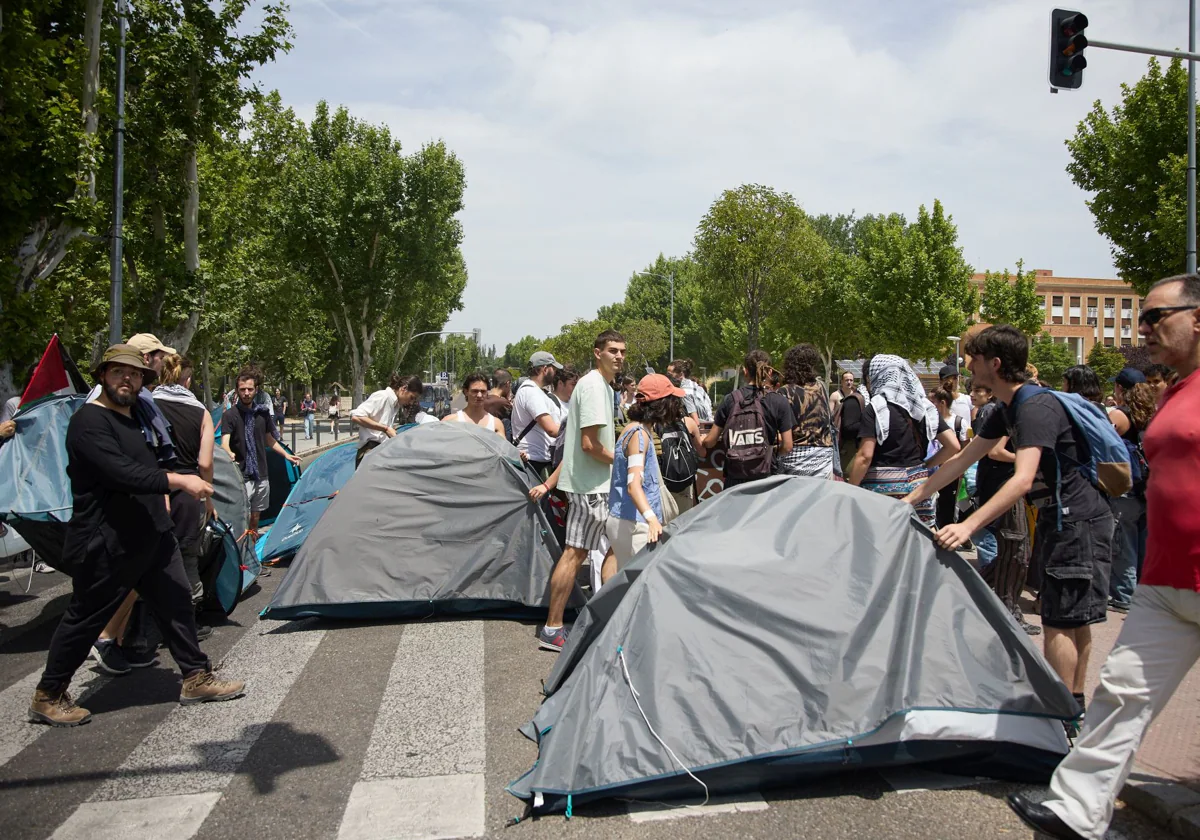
(947, 370)
(1128, 377)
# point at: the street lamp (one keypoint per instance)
(671, 279)
(957, 355)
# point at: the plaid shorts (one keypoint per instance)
(586, 517)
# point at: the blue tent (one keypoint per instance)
(35, 494)
(309, 498)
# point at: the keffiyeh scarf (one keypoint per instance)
(893, 381)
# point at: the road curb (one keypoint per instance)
(1170, 805)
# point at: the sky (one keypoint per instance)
(595, 135)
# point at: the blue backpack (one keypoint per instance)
(1104, 459)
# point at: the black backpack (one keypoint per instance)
(748, 454)
(679, 461)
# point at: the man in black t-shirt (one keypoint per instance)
(1009, 569)
(123, 535)
(1075, 525)
(778, 419)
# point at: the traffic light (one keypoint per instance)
(1067, 44)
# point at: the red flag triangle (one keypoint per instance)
(54, 374)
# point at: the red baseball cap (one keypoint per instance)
(655, 386)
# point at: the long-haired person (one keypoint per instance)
(1136, 403)
(812, 436)
(897, 425)
(754, 423)
(192, 432)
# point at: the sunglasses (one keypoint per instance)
(1151, 317)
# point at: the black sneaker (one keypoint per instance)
(139, 658)
(1117, 606)
(203, 631)
(108, 656)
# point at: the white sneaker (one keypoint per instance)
(43, 568)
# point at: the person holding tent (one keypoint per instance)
(376, 417)
(121, 529)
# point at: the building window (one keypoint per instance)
(1075, 312)
(1127, 309)
(1056, 309)
(1110, 332)
(1110, 308)
(1126, 342)
(1109, 341)
(1126, 331)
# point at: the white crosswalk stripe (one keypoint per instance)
(422, 776)
(641, 812)
(189, 759)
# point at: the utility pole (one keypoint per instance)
(1067, 63)
(672, 312)
(115, 291)
(1191, 170)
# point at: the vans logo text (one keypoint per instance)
(746, 437)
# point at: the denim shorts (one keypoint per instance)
(1077, 560)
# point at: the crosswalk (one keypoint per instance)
(348, 731)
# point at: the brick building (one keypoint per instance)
(1079, 311)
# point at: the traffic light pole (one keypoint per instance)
(1192, 57)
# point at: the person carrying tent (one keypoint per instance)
(121, 529)
(1074, 532)
(376, 416)
(898, 423)
(475, 389)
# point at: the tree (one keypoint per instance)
(573, 344)
(1134, 160)
(914, 286)
(754, 248)
(826, 317)
(376, 233)
(1106, 361)
(517, 354)
(645, 342)
(1012, 300)
(1050, 358)
(1136, 356)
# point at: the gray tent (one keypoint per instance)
(436, 520)
(791, 628)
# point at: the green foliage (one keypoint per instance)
(645, 342)
(1012, 300)
(914, 286)
(1134, 162)
(574, 342)
(1050, 358)
(1106, 361)
(377, 236)
(517, 354)
(755, 248)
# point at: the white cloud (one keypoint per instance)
(596, 134)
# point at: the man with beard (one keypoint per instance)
(122, 531)
(244, 432)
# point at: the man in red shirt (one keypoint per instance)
(1160, 640)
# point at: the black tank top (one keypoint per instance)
(185, 423)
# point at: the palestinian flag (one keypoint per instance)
(54, 375)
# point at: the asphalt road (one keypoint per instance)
(374, 731)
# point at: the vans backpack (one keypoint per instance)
(1104, 460)
(678, 462)
(748, 454)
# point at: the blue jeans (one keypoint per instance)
(308, 425)
(986, 547)
(1129, 547)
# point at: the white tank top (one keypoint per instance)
(491, 423)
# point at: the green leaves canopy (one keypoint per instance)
(1012, 300)
(1050, 358)
(1134, 160)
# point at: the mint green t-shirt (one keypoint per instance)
(591, 405)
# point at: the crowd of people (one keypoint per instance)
(1002, 461)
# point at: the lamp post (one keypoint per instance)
(670, 278)
(957, 355)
